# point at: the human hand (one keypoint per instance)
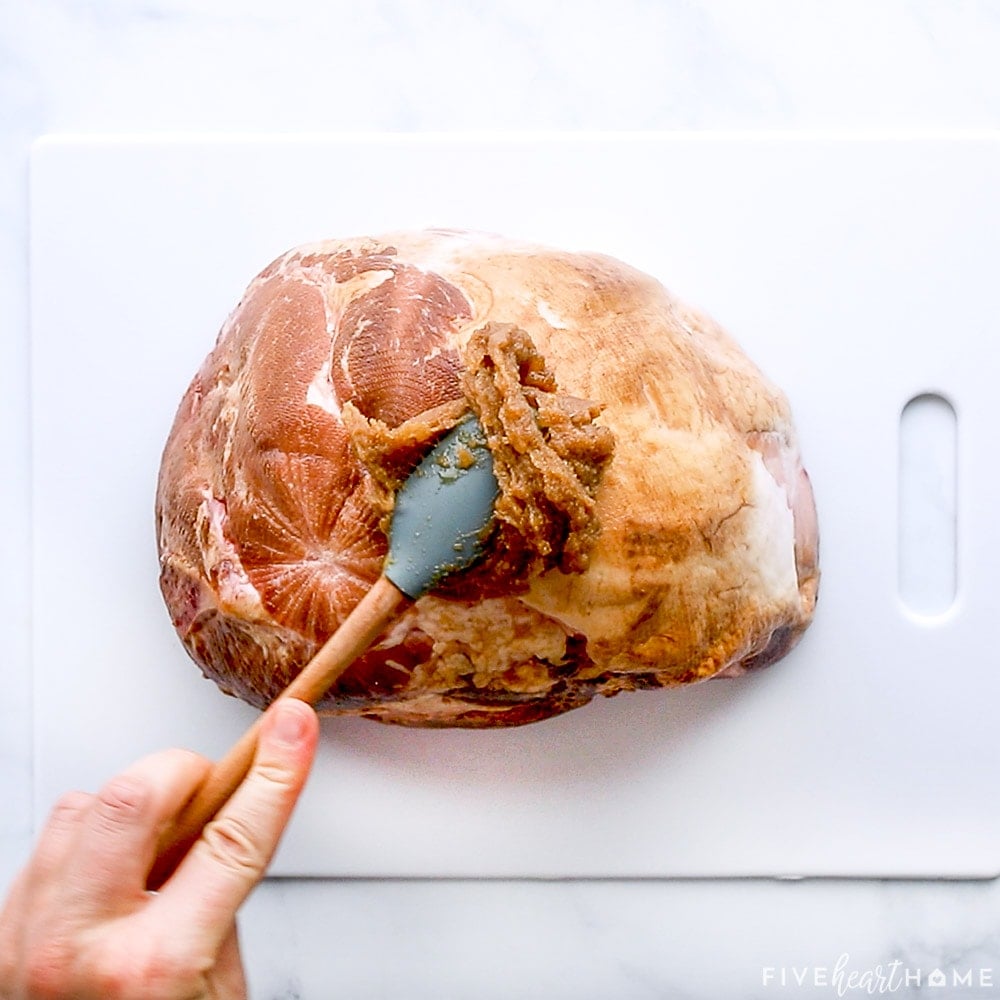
(79, 922)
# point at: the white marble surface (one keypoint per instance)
(206, 66)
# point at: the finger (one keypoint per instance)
(117, 837)
(57, 838)
(233, 852)
(230, 979)
(37, 885)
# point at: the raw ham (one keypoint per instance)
(704, 557)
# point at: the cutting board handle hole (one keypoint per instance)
(928, 498)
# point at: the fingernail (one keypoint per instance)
(289, 723)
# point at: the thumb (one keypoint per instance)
(235, 848)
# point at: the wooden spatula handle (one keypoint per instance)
(357, 632)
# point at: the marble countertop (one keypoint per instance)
(168, 65)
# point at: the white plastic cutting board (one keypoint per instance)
(857, 272)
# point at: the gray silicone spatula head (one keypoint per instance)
(443, 513)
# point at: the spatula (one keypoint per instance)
(442, 516)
